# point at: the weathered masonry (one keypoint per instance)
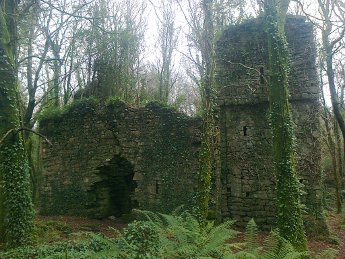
(107, 159)
(247, 168)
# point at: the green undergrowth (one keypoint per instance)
(159, 104)
(50, 231)
(115, 101)
(82, 247)
(56, 239)
(156, 235)
(84, 104)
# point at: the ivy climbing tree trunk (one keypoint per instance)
(208, 155)
(15, 200)
(289, 219)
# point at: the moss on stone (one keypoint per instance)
(78, 107)
(248, 176)
(160, 143)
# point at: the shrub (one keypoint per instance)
(79, 106)
(139, 240)
(67, 249)
(115, 101)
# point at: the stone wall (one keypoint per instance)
(96, 145)
(246, 144)
(150, 155)
(243, 57)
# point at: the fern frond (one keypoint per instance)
(145, 215)
(179, 210)
(297, 255)
(216, 237)
(276, 247)
(170, 220)
(181, 236)
(242, 255)
(251, 237)
(229, 256)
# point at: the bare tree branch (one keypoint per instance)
(16, 131)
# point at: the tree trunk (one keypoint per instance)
(15, 199)
(328, 46)
(210, 135)
(56, 81)
(332, 150)
(338, 172)
(332, 87)
(289, 221)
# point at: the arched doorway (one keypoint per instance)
(112, 196)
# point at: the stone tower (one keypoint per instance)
(246, 144)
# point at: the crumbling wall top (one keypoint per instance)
(242, 62)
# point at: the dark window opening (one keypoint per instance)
(158, 187)
(245, 129)
(262, 75)
(112, 195)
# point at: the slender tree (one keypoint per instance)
(115, 42)
(209, 124)
(167, 41)
(333, 147)
(206, 19)
(33, 73)
(290, 222)
(328, 10)
(15, 200)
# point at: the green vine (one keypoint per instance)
(204, 181)
(289, 221)
(17, 206)
(16, 210)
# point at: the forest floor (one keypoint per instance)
(59, 228)
(63, 227)
(336, 223)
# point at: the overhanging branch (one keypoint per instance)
(16, 131)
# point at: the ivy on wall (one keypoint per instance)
(160, 143)
(289, 220)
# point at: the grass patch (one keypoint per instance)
(50, 231)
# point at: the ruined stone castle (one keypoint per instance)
(107, 159)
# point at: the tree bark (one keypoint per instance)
(338, 172)
(328, 46)
(333, 151)
(207, 85)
